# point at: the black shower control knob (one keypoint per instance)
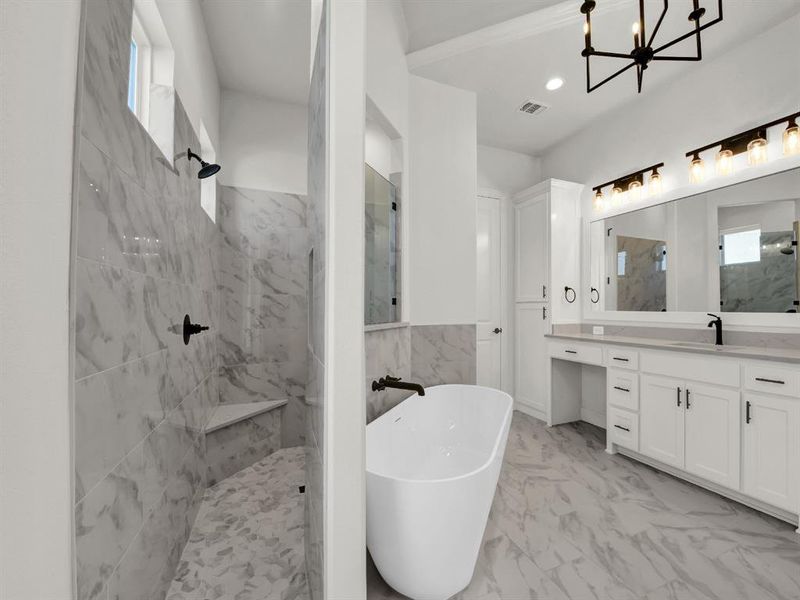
(190, 329)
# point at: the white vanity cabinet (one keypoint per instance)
(726, 423)
(547, 233)
(771, 470)
(692, 426)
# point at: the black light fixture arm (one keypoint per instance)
(731, 140)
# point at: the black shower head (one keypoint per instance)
(206, 169)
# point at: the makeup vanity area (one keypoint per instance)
(726, 417)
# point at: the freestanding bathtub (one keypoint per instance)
(432, 468)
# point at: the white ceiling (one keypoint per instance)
(505, 72)
(432, 21)
(261, 46)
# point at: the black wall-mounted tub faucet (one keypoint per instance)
(394, 382)
(717, 322)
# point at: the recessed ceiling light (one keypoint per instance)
(554, 83)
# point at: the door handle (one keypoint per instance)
(497, 330)
(679, 396)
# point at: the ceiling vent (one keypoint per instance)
(531, 107)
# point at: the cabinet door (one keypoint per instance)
(771, 440)
(531, 355)
(713, 433)
(532, 256)
(661, 427)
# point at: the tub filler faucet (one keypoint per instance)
(394, 382)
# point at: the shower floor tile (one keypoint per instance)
(570, 521)
(247, 540)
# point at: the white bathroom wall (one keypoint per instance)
(443, 181)
(195, 74)
(506, 171)
(38, 65)
(264, 143)
(755, 81)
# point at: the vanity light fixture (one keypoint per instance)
(753, 141)
(791, 138)
(697, 169)
(725, 162)
(632, 183)
(654, 184)
(644, 50)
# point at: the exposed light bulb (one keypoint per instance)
(616, 195)
(697, 170)
(791, 139)
(757, 151)
(724, 162)
(599, 202)
(635, 28)
(654, 185)
(586, 28)
(634, 191)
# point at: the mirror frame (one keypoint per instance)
(774, 322)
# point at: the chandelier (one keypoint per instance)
(643, 50)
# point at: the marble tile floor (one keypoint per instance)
(247, 540)
(572, 522)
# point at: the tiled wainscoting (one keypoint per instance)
(145, 256)
(426, 354)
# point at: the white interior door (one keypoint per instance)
(489, 266)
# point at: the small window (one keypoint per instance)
(739, 247)
(621, 258)
(132, 85)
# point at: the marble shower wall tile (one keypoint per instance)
(387, 352)
(263, 301)
(237, 446)
(443, 354)
(146, 254)
(316, 209)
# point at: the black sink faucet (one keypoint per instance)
(394, 382)
(717, 322)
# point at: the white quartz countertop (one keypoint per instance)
(788, 355)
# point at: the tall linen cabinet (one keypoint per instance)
(547, 287)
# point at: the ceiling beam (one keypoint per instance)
(532, 24)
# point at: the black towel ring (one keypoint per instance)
(592, 293)
(567, 291)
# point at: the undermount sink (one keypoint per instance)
(704, 346)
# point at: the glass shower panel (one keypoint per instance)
(380, 278)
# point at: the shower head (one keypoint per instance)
(206, 169)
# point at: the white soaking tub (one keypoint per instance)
(432, 467)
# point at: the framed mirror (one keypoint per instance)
(731, 249)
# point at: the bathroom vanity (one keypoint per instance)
(726, 418)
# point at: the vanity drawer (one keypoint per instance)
(761, 377)
(622, 388)
(622, 358)
(623, 428)
(692, 367)
(583, 353)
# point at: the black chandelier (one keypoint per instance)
(642, 52)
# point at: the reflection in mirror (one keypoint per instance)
(732, 249)
(380, 278)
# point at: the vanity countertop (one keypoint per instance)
(787, 355)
